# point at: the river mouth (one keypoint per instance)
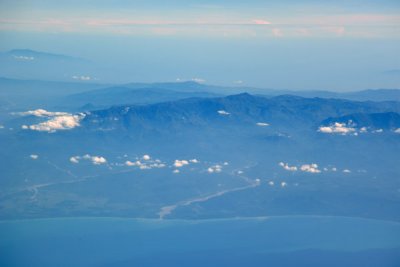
(280, 241)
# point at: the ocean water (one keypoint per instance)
(275, 241)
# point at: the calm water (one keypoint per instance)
(278, 241)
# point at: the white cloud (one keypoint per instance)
(96, 160)
(81, 78)
(176, 171)
(144, 167)
(33, 156)
(26, 58)
(149, 164)
(87, 156)
(1, 126)
(312, 168)
(180, 163)
(338, 128)
(287, 167)
(261, 22)
(130, 163)
(283, 184)
(42, 113)
(214, 169)
(74, 159)
(158, 165)
(198, 80)
(64, 122)
(193, 161)
(271, 183)
(346, 171)
(223, 112)
(262, 124)
(397, 131)
(378, 131)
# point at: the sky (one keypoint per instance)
(340, 45)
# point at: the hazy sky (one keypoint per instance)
(335, 45)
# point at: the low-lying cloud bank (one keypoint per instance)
(310, 168)
(350, 128)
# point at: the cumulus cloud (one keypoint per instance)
(312, 168)
(287, 167)
(74, 159)
(147, 164)
(96, 160)
(346, 171)
(397, 131)
(193, 161)
(180, 163)
(271, 183)
(262, 124)
(283, 184)
(338, 128)
(130, 163)
(214, 169)
(33, 156)
(175, 171)
(223, 112)
(63, 122)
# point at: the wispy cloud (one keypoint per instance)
(41, 113)
(223, 112)
(226, 25)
